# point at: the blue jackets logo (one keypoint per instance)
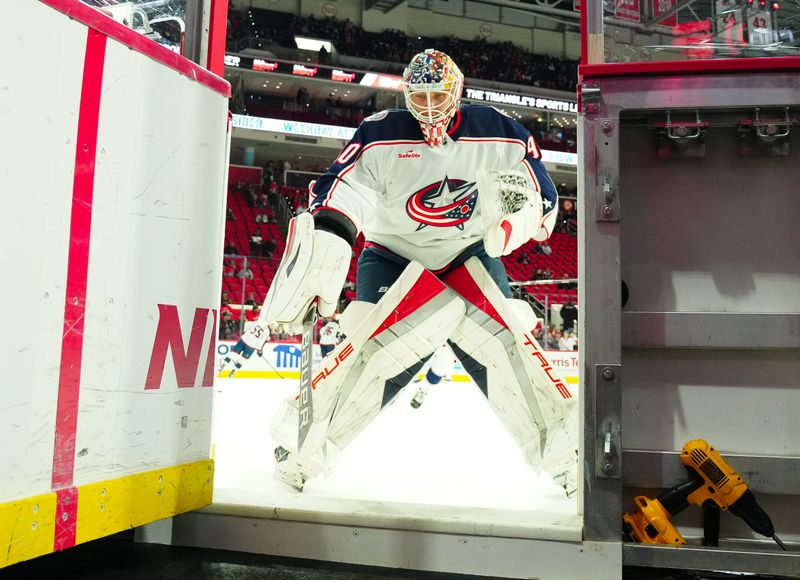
(446, 203)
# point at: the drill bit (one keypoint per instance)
(781, 544)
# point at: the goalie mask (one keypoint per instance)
(432, 85)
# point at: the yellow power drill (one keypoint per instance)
(713, 483)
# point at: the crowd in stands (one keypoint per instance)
(478, 58)
(390, 51)
(254, 244)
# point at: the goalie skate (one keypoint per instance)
(294, 470)
(530, 397)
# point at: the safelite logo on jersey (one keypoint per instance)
(410, 154)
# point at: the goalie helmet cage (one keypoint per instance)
(689, 287)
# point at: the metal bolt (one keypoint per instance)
(608, 468)
(608, 374)
(64, 517)
(607, 211)
(607, 126)
(34, 525)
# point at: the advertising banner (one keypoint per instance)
(281, 360)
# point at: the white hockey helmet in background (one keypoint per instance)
(432, 85)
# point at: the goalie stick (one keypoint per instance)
(305, 415)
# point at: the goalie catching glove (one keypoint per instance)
(314, 267)
(510, 208)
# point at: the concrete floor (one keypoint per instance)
(119, 558)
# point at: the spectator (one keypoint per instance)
(245, 273)
(568, 341)
(250, 196)
(268, 248)
(253, 313)
(228, 327)
(230, 248)
(255, 243)
(569, 314)
(251, 299)
(229, 271)
(552, 338)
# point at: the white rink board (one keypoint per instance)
(171, 199)
(36, 171)
(157, 211)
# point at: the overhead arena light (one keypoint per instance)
(305, 43)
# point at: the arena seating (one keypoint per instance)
(391, 49)
(561, 263)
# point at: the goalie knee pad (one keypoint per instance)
(386, 344)
(496, 347)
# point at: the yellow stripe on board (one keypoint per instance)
(27, 528)
(108, 507)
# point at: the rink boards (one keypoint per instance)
(281, 360)
(113, 274)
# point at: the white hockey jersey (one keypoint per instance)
(329, 334)
(420, 202)
(255, 335)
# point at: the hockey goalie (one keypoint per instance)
(440, 191)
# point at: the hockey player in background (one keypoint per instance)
(440, 191)
(329, 336)
(252, 340)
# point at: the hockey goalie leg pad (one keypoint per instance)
(386, 344)
(496, 346)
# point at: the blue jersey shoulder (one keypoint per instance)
(483, 121)
(389, 125)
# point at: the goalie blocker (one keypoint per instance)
(388, 343)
